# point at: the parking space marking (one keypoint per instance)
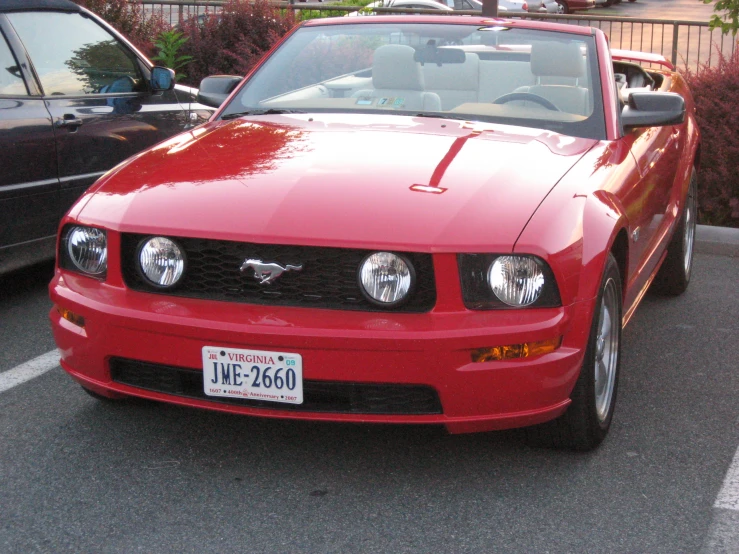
(728, 496)
(723, 534)
(28, 370)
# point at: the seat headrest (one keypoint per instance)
(393, 67)
(557, 59)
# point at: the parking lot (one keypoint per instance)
(80, 476)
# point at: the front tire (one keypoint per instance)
(673, 277)
(563, 7)
(588, 418)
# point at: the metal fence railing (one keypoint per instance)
(688, 44)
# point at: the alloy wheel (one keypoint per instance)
(606, 350)
(689, 236)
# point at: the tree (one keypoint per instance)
(729, 21)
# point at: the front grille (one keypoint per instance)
(328, 279)
(318, 396)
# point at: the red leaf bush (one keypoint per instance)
(130, 20)
(231, 41)
(716, 93)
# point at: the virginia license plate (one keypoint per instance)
(253, 374)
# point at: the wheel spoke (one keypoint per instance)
(606, 351)
(605, 327)
(601, 378)
(689, 232)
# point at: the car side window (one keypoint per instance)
(11, 80)
(73, 55)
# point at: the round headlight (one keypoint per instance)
(88, 249)
(386, 278)
(162, 261)
(516, 280)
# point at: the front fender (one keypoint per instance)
(578, 223)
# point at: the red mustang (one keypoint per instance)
(442, 220)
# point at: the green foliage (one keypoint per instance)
(170, 44)
(729, 21)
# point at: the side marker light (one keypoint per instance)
(70, 316)
(513, 351)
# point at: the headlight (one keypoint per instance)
(162, 261)
(386, 278)
(87, 249)
(491, 281)
(516, 280)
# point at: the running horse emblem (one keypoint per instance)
(268, 272)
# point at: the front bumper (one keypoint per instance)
(431, 349)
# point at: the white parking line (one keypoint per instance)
(27, 371)
(723, 534)
(728, 496)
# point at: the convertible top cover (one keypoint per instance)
(24, 5)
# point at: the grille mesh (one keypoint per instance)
(328, 278)
(318, 396)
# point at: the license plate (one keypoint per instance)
(253, 374)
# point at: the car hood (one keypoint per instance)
(393, 182)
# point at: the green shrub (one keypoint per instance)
(170, 44)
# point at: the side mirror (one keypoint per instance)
(653, 109)
(215, 89)
(162, 78)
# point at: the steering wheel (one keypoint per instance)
(530, 96)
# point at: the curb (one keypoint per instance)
(721, 241)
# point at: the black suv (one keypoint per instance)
(76, 98)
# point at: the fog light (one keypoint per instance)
(162, 261)
(386, 278)
(513, 351)
(70, 316)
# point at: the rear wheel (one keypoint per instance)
(673, 277)
(563, 7)
(587, 420)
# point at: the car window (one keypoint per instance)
(73, 55)
(11, 80)
(541, 79)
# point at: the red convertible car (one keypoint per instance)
(427, 220)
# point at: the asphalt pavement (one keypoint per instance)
(77, 475)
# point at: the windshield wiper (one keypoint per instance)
(271, 111)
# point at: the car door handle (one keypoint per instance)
(68, 121)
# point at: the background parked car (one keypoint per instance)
(569, 6)
(407, 4)
(76, 98)
(506, 7)
(607, 3)
(544, 6)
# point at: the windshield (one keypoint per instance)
(498, 74)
